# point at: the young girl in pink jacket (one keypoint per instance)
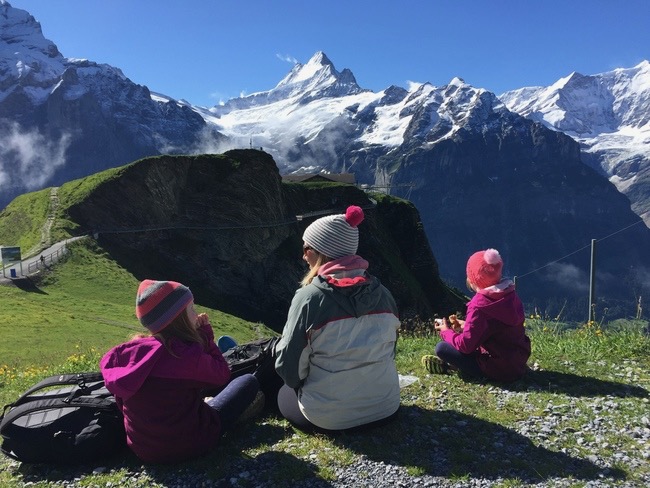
(159, 379)
(492, 342)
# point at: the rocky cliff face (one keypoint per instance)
(77, 117)
(608, 114)
(227, 226)
(524, 190)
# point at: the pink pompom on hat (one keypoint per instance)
(484, 268)
(335, 236)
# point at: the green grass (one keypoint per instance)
(22, 220)
(87, 304)
(589, 383)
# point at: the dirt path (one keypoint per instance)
(46, 236)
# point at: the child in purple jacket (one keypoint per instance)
(491, 343)
(158, 379)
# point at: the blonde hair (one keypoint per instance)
(471, 286)
(313, 271)
(182, 328)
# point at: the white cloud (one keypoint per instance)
(412, 86)
(207, 143)
(287, 58)
(28, 159)
(219, 96)
(567, 276)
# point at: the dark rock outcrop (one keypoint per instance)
(228, 227)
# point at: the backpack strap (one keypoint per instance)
(79, 379)
(97, 403)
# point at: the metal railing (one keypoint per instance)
(46, 260)
(42, 262)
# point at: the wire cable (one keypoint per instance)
(581, 249)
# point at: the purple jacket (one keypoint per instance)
(494, 330)
(165, 417)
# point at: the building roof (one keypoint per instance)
(309, 177)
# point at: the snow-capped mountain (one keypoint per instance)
(314, 111)
(609, 115)
(480, 174)
(316, 79)
(62, 118)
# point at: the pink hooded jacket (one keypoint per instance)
(494, 329)
(165, 417)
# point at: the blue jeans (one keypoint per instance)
(466, 363)
(234, 398)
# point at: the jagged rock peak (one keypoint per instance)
(316, 79)
(26, 57)
(456, 81)
(318, 68)
(19, 29)
(574, 79)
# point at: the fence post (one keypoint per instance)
(592, 283)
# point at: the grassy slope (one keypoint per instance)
(86, 304)
(22, 220)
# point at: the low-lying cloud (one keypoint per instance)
(207, 143)
(567, 277)
(29, 159)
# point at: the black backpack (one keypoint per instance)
(76, 422)
(258, 359)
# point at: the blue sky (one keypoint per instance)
(205, 51)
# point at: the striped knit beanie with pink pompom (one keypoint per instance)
(484, 268)
(335, 236)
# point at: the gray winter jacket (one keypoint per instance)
(338, 349)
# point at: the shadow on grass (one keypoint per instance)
(575, 385)
(217, 468)
(27, 284)
(444, 444)
(56, 473)
(228, 461)
(453, 445)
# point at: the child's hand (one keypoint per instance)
(202, 319)
(441, 325)
(456, 324)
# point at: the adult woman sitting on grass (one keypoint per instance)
(337, 351)
(492, 342)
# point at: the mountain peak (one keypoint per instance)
(25, 54)
(320, 58)
(316, 79)
(456, 81)
(18, 29)
(319, 66)
(573, 79)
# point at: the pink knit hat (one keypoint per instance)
(484, 268)
(160, 302)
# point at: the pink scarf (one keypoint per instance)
(350, 271)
